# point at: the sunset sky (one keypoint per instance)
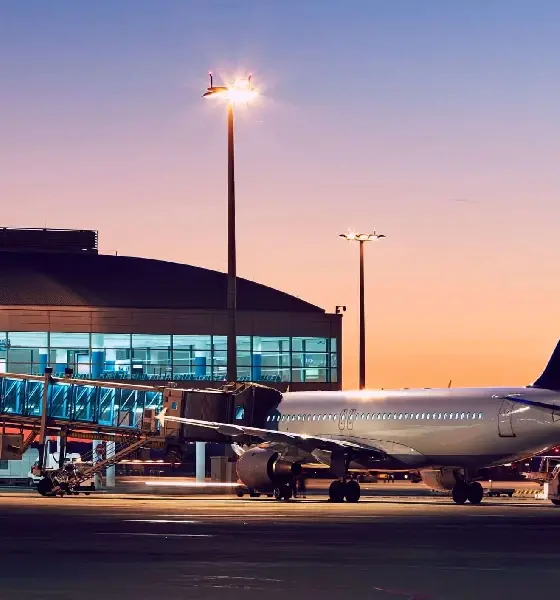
(376, 115)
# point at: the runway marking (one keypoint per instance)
(165, 535)
(160, 521)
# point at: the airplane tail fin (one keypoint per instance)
(550, 378)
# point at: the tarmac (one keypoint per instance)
(147, 546)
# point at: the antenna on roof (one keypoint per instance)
(449, 384)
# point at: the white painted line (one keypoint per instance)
(164, 535)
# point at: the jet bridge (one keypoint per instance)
(34, 407)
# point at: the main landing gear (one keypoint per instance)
(463, 491)
(341, 490)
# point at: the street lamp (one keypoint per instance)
(239, 92)
(362, 238)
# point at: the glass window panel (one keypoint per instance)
(219, 343)
(243, 359)
(334, 360)
(78, 360)
(192, 342)
(309, 360)
(309, 344)
(271, 344)
(273, 375)
(309, 375)
(183, 357)
(110, 340)
(69, 340)
(243, 343)
(333, 344)
(269, 359)
(36, 358)
(334, 376)
(27, 339)
(140, 340)
(244, 373)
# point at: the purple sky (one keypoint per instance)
(375, 114)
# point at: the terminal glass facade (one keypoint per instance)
(138, 356)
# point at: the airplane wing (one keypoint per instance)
(307, 443)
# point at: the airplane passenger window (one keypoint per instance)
(367, 416)
(480, 415)
(378, 416)
(445, 415)
(418, 415)
(324, 417)
(406, 415)
(468, 415)
(462, 415)
(309, 417)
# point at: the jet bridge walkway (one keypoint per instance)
(34, 407)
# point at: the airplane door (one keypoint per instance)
(351, 417)
(342, 420)
(505, 423)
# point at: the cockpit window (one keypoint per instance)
(239, 412)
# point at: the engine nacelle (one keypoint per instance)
(440, 479)
(263, 470)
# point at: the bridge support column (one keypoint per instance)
(200, 452)
(110, 471)
(97, 477)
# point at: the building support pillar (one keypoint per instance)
(200, 461)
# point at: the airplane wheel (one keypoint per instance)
(287, 493)
(45, 486)
(336, 491)
(283, 493)
(475, 493)
(556, 502)
(460, 493)
(239, 493)
(352, 491)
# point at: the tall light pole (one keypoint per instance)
(240, 91)
(362, 238)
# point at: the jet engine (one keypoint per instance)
(263, 469)
(439, 479)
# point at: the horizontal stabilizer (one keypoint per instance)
(549, 407)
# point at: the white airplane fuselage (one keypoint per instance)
(461, 427)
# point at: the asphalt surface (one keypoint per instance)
(110, 546)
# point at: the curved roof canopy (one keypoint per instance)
(85, 279)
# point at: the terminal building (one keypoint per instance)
(64, 305)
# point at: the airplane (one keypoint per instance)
(446, 434)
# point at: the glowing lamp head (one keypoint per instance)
(239, 92)
(361, 237)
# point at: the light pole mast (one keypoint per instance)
(362, 238)
(240, 91)
(362, 380)
(232, 257)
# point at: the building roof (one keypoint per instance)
(47, 279)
